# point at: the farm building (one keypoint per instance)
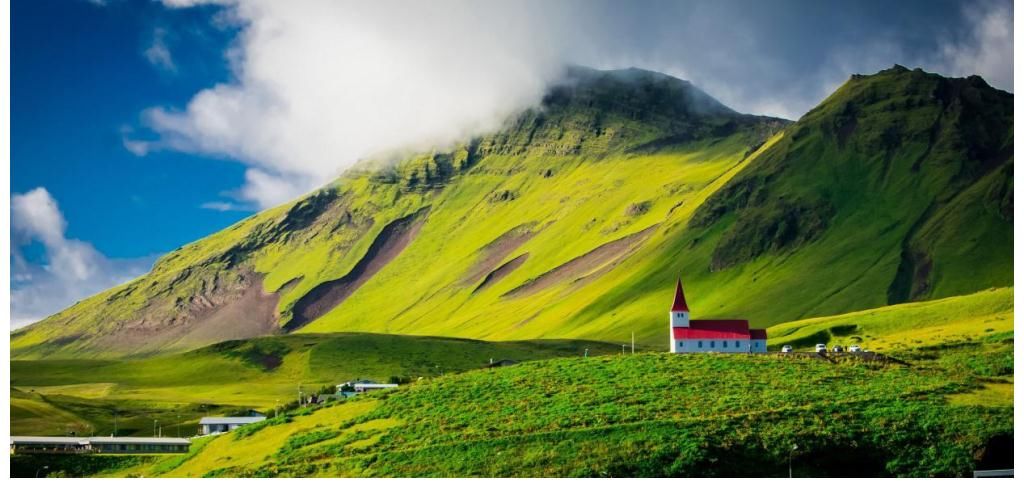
(722, 336)
(44, 444)
(362, 388)
(217, 425)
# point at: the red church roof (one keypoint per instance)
(718, 329)
(721, 325)
(679, 304)
(682, 333)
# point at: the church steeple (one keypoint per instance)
(678, 318)
(679, 304)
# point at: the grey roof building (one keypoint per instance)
(216, 425)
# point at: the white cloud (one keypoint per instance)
(72, 270)
(223, 206)
(988, 48)
(319, 84)
(158, 54)
(322, 84)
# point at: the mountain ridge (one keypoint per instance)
(560, 185)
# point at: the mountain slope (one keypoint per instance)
(898, 187)
(574, 220)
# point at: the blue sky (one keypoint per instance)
(77, 80)
(137, 127)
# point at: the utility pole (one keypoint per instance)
(623, 349)
(115, 423)
(586, 352)
(154, 427)
(632, 342)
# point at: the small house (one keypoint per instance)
(363, 388)
(217, 425)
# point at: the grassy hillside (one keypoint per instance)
(944, 407)
(905, 326)
(54, 397)
(576, 218)
(643, 415)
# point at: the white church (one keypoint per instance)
(720, 336)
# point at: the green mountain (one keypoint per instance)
(575, 219)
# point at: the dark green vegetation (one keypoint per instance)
(56, 397)
(898, 186)
(71, 465)
(574, 220)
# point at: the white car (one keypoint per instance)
(787, 349)
(854, 348)
(821, 348)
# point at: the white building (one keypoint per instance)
(217, 425)
(362, 388)
(722, 336)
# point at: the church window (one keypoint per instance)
(712, 343)
(737, 343)
(700, 344)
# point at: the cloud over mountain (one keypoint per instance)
(72, 270)
(317, 85)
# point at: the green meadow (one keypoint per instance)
(54, 397)
(933, 408)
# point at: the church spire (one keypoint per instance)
(679, 304)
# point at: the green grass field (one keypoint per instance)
(905, 326)
(649, 414)
(941, 409)
(54, 397)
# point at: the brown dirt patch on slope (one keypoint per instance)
(601, 259)
(495, 252)
(240, 310)
(391, 241)
(501, 271)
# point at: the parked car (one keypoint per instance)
(837, 349)
(787, 349)
(821, 348)
(854, 348)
